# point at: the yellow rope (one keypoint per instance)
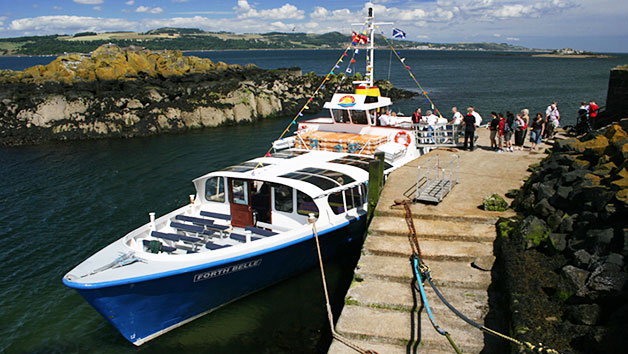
(305, 106)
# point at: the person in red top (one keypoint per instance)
(500, 131)
(593, 108)
(416, 116)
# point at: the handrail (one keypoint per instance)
(434, 182)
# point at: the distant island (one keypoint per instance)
(571, 53)
(193, 39)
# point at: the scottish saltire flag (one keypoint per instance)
(397, 33)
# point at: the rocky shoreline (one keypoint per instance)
(129, 92)
(563, 256)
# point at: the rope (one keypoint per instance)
(401, 60)
(305, 106)
(330, 316)
(422, 271)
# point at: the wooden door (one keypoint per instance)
(240, 201)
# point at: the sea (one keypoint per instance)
(61, 202)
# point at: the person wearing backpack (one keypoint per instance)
(520, 129)
(509, 128)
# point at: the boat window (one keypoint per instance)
(365, 159)
(359, 164)
(336, 203)
(245, 166)
(340, 115)
(240, 191)
(283, 198)
(340, 178)
(364, 189)
(352, 197)
(320, 182)
(215, 189)
(359, 117)
(305, 204)
(287, 154)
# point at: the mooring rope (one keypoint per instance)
(330, 315)
(422, 272)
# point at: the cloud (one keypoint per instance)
(97, 8)
(514, 39)
(156, 10)
(60, 24)
(57, 8)
(89, 2)
(179, 0)
(130, 2)
(287, 11)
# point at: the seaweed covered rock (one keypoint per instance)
(494, 202)
(572, 226)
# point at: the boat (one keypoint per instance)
(250, 225)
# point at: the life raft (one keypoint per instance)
(405, 136)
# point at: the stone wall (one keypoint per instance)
(564, 255)
(617, 97)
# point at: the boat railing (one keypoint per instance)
(434, 182)
(438, 135)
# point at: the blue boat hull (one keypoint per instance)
(144, 310)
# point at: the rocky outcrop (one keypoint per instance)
(565, 254)
(135, 92)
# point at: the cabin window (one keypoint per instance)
(283, 199)
(353, 197)
(336, 203)
(359, 117)
(215, 189)
(340, 115)
(305, 204)
(240, 192)
(364, 190)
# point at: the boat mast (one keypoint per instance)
(370, 57)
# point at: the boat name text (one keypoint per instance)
(226, 270)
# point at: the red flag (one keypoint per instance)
(359, 38)
(352, 61)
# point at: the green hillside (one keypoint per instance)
(196, 39)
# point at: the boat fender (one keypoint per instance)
(405, 136)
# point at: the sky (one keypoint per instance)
(594, 25)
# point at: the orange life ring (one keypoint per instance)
(406, 138)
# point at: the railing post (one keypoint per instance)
(376, 177)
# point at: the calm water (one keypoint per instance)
(62, 202)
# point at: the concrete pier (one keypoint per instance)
(381, 311)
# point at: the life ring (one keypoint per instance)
(406, 138)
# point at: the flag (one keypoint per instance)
(359, 38)
(399, 34)
(352, 61)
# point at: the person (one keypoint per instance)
(509, 128)
(416, 116)
(536, 131)
(520, 129)
(526, 118)
(593, 110)
(432, 120)
(493, 127)
(552, 120)
(583, 125)
(478, 117)
(500, 131)
(469, 128)
(384, 119)
(456, 118)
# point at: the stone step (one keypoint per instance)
(399, 328)
(375, 293)
(383, 348)
(481, 217)
(436, 229)
(444, 273)
(430, 249)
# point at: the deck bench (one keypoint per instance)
(175, 237)
(242, 238)
(210, 214)
(200, 230)
(262, 232)
(213, 246)
(195, 220)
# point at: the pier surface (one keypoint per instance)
(382, 312)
